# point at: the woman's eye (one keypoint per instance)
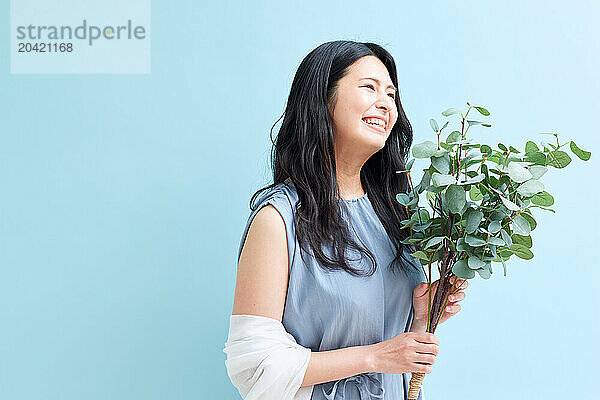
(373, 87)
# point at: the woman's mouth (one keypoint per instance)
(378, 128)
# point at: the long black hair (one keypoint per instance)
(304, 152)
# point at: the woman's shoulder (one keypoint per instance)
(283, 198)
(283, 192)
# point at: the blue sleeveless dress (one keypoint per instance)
(332, 310)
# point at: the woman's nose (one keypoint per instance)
(383, 105)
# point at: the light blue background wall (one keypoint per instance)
(124, 196)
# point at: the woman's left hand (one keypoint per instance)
(421, 299)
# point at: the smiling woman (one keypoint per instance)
(323, 305)
(362, 107)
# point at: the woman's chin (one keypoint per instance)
(376, 138)
(375, 143)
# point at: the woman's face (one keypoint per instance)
(359, 98)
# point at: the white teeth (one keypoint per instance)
(374, 121)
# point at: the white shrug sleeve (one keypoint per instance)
(264, 361)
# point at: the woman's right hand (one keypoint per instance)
(406, 352)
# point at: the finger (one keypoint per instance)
(458, 289)
(462, 284)
(428, 349)
(425, 358)
(456, 297)
(427, 338)
(457, 279)
(452, 308)
(418, 367)
(420, 289)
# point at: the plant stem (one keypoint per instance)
(414, 194)
(446, 295)
(429, 293)
(504, 165)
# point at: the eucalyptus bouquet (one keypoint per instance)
(479, 206)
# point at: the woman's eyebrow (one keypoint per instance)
(379, 83)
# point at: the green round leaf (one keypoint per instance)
(403, 199)
(441, 164)
(582, 154)
(462, 270)
(475, 179)
(530, 188)
(420, 254)
(509, 204)
(418, 227)
(482, 110)
(506, 237)
(474, 241)
(521, 251)
(497, 158)
(496, 241)
(434, 125)
(497, 216)
(453, 137)
(455, 198)
(521, 225)
(474, 262)
(425, 149)
(442, 179)
(536, 157)
(505, 253)
(462, 246)
(473, 219)
(484, 273)
(434, 241)
(524, 240)
(450, 111)
(531, 147)
(425, 181)
(473, 122)
(544, 199)
(475, 194)
(518, 173)
(530, 219)
(494, 227)
(537, 171)
(558, 159)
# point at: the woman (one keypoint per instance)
(343, 137)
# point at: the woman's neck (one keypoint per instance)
(346, 192)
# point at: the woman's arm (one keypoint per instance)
(262, 275)
(418, 326)
(261, 289)
(332, 365)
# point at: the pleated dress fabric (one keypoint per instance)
(327, 310)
